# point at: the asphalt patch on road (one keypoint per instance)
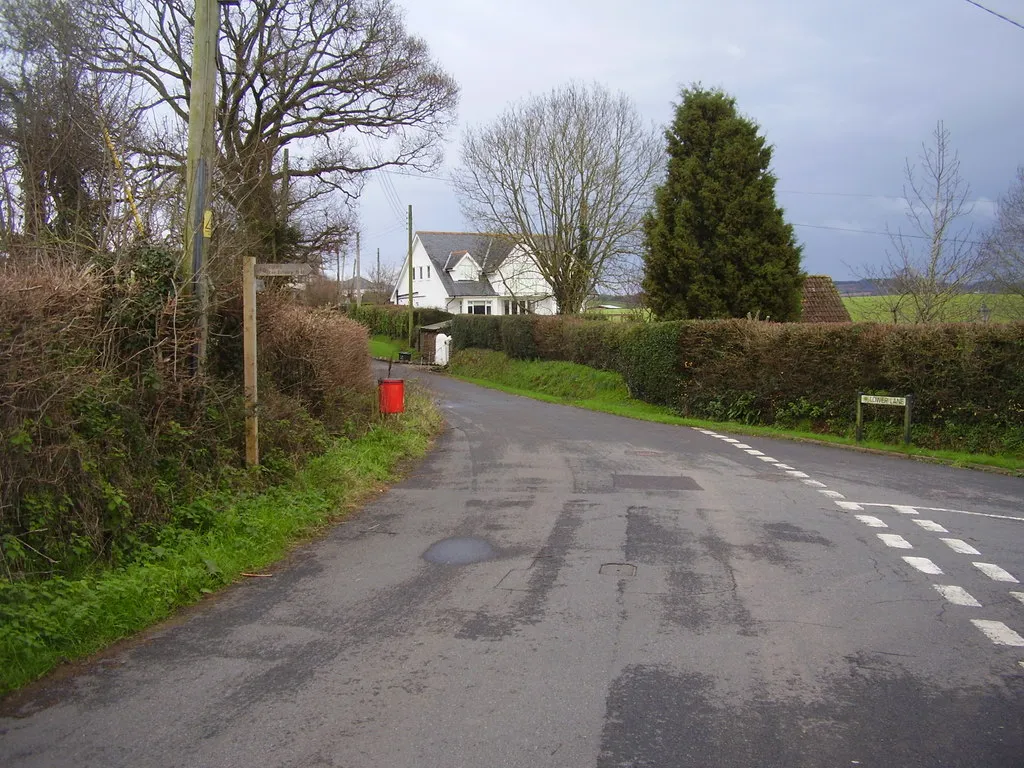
(881, 717)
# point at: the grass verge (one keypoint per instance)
(45, 623)
(577, 385)
(385, 347)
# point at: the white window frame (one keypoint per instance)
(470, 304)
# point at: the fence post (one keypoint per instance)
(906, 419)
(860, 418)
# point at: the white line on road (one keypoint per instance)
(961, 546)
(769, 459)
(730, 439)
(850, 505)
(833, 494)
(796, 473)
(995, 573)
(785, 466)
(999, 633)
(957, 595)
(1018, 595)
(915, 510)
(755, 452)
(814, 483)
(924, 565)
(742, 445)
(895, 540)
(874, 522)
(930, 525)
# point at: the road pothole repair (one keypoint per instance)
(459, 550)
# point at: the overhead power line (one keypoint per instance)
(997, 14)
(876, 232)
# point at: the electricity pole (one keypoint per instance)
(410, 277)
(356, 279)
(199, 164)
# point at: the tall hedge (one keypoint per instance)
(967, 379)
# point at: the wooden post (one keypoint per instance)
(410, 277)
(199, 161)
(860, 418)
(906, 419)
(355, 278)
(252, 434)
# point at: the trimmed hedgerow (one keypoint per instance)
(967, 379)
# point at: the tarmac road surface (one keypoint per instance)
(554, 587)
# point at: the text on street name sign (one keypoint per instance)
(283, 270)
(883, 400)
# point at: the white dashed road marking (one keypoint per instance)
(833, 494)
(784, 466)
(754, 452)
(850, 505)
(957, 595)
(924, 565)
(814, 483)
(742, 445)
(895, 540)
(995, 573)
(768, 459)
(796, 473)
(930, 525)
(961, 546)
(873, 522)
(730, 440)
(1018, 595)
(915, 510)
(999, 633)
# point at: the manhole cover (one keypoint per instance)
(618, 569)
(460, 550)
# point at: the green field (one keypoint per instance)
(966, 308)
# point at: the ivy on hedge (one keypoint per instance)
(967, 379)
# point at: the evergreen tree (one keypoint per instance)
(717, 244)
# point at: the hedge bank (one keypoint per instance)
(967, 379)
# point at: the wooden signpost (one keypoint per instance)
(250, 270)
(906, 403)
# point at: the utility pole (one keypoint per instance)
(410, 277)
(356, 279)
(337, 260)
(199, 164)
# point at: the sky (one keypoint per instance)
(845, 90)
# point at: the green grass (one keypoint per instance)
(386, 347)
(966, 308)
(44, 623)
(577, 385)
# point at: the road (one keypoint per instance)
(554, 587)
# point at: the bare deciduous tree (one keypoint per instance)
(60, 123)
(567, 176)
(938, 260)
(1003, 247)
(324, 77)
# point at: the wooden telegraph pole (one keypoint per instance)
(199, 163)
(355, 278)
(410, 277)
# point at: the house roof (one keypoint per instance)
(822, 302)
(489, 251)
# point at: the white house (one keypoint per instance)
(473, 273)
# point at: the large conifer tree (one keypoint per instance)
(717, 244)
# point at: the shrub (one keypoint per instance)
(517, 337)
(321, 358)
(476, 332)
(650, 362)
